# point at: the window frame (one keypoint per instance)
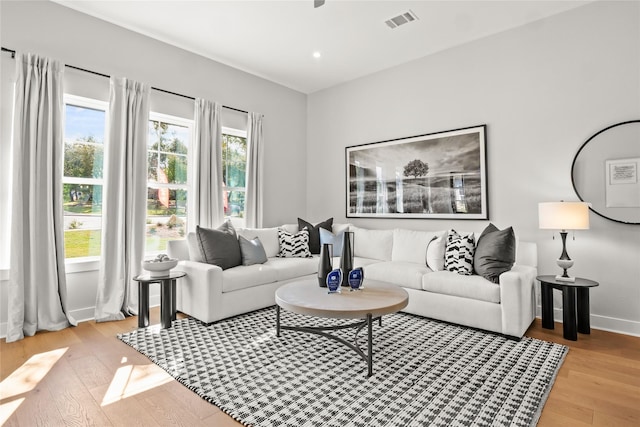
(237, 221)
(187, 187)
(76, 264)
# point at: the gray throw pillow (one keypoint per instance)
(495, 252)
(220, 246)
(252, 251)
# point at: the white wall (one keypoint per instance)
(80, 40)
(542, 89)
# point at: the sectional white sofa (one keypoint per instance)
(398, 256)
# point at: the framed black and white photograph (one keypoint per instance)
(439, 176)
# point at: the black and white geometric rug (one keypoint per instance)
(426, 373)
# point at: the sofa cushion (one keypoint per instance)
(291, 228)
(290, 268)
(219, 246)
(268, 238)
(435, 252)
(358, 261)
(252, 251)
(406, 274)
(314, 232)
(411, 245)
(247, 276)
(450, 283)
(294, 245)
(375, 244)
(458, 253)
(495, 252)
(337, 228)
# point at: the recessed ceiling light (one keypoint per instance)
(316, 54)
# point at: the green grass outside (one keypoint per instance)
(86, 243)
(82, 243)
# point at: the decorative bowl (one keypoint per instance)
(159, 268)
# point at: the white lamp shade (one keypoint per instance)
(563, 215)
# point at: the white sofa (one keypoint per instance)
(398, 256)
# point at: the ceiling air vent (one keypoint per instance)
(401, 19)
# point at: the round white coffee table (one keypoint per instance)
(372, 302)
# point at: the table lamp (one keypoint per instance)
(564, 216)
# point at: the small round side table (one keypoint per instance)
(167, 297)
(570, 291)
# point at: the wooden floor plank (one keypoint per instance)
(98, 380)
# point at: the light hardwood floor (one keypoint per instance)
(84, 376)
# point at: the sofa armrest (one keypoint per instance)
(199, 293)
(517, 299)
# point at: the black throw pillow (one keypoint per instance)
(495, 252)
(314, 232)
(219, 246)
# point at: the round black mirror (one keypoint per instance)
(606, 172)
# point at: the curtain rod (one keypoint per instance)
(13, 55)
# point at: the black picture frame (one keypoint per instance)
(441, 175)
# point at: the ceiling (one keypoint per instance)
(276, 39)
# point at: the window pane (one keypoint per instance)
(82, 220)
(152, 166)
(84, 124)
(234, 160)
(83, 160)
(167, 137)
(167, 171)
(166, 217)
(234, 203)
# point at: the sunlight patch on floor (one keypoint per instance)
(24, 379)
(134, 379)
(7, 409)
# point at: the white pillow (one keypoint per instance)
(435, 252)
(411, 245)
(374, 244)
(268, 237)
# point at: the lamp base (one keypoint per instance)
(565, 279)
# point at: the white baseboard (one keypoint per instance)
(604, 323)
(84, 314)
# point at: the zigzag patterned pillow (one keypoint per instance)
(294, 245)
(458, 254)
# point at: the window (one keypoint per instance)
(167, 191)
(234, 166)
(84, 130)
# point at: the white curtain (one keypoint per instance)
(37, 284)
(253, 203)
(206, 202)
(124, 199)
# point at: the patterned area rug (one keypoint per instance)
(425, 372)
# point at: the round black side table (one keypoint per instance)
(570, 292)
(167, 297)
